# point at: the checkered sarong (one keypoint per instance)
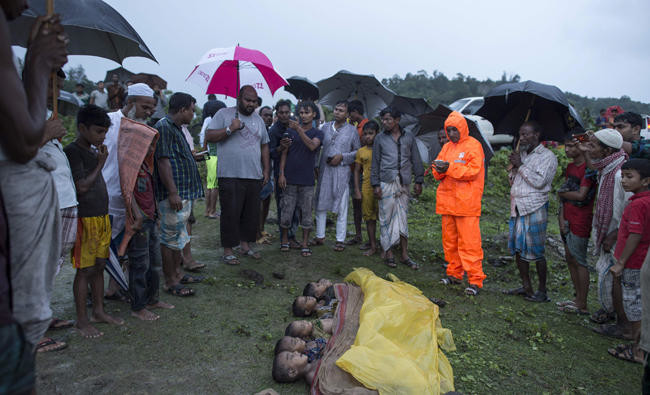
(68, 232)
(528, 234)
(631, 290)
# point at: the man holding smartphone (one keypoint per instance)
(244, 167)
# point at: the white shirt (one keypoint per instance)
(532, 181)
(206, 122)
(111, 174)
(62, 175)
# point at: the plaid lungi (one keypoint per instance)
(528, 234)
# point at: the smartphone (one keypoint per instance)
(202, 153)
(439, 162)
(285, 135)
(329, 159)
(582, 137)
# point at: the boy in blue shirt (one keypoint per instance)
(297, 174)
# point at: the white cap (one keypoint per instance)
(610, 138)
(140, 89)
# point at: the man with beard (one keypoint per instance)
(140, 104)
(30, 224)
(243, 147)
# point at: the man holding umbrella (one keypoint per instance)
(531, 176)
(244, 167)
(29, 247)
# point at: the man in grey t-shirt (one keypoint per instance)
(243, 146)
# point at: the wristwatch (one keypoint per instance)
(228, 131)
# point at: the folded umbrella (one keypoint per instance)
(302, 88)
(345, 85)
(509, 105)
(226, 70)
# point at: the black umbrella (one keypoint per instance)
(509, 105)
(94, 28)
(410, 108)
(123, 74)
(430, 123)
(150, 79)
(345, 85)
(302, 88)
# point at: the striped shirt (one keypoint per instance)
(172, 145)
(532, 181)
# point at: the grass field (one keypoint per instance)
(221, 340)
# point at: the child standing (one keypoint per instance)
(87, 155)
(576, 213)
(631, 248)
(297, 174)
(365, 192)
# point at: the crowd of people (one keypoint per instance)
(97, 198)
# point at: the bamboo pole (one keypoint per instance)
(54, 78)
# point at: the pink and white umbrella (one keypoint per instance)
(225, 70)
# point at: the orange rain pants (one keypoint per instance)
(461, 241)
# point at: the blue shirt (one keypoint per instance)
(172, 145)
(299, 167)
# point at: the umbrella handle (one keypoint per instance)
(53, 76)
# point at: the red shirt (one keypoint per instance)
(579, 218)
(143, 192)
(636, 219)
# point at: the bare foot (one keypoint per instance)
(160, 305)
(370, 252)
(103, 317)
(145, 315)
(87, 330)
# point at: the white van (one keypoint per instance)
(468, 106)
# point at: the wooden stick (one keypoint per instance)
(54, 77)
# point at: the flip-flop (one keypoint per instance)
(390, 262)
(285, 247)
(565, 303)
(306, 252)
(251, 254)
(625, 352)
(353, 241)
(410, 263)
(537, 297)
(364, 247)
(316, 242)
(196, 268)
(187, 279)
(339, 246)
(177, 290)
(572, 309)
(611, 330)
(43, 345)
(230, 260)
(601, 316)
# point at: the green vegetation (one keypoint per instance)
(221, 340)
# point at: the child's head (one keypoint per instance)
(316, 289)
(300, 328)
(370, 130)
(92, 124)
(307, 110)
(629, 125)
(291, 344)
(304, 306)
(288, 366)
(442, 137)
(635, 175)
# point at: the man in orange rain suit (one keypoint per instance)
(460, 168)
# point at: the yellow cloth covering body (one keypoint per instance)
(398, 348)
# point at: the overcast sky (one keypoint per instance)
(593, 48)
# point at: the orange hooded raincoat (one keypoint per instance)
(458, 200)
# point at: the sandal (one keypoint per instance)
(196, 268)
(60, 324)
(626, 352)
(472, 290)
(602, 316)
(316, 242)
(251, 254)
(305, 252)
(410, 263)
(48, 344)
(180, 290)
(612, 330)
(187, 279)
(565, 303)
(390, 262)
(572, 309)
(450, 281)
(285, 247)
(339, 246)
(230, 260)
(537, 297)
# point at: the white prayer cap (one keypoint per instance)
(140, 89)
(610, 138)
